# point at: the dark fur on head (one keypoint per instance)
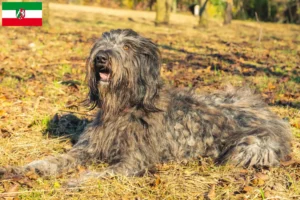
(141, 124)
(127, 52)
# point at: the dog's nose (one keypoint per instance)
(102, 58)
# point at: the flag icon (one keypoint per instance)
(22, 14)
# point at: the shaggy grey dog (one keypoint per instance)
(140, 123)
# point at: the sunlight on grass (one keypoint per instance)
(64, 69)
(200, 59)
(9, 82)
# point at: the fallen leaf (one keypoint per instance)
(271, 86)
(81, 169)
(157, 181)
(258, 182)
(11, 192)
(56, 185)
(212, 192)
(291, 162)
(267, 194)
(3, 98)
(248, 189)
(279, 187)
(2, 112)
(6, 185)
(296, 123)
(5, 133)
(25, 181)
(31, 175)
(29, 92)
(262, 176)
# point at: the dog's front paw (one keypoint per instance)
(85, 177)
(73, 183)
(42, 167)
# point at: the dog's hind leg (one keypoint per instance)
(259, 147)
(128, 166)
(109, 172)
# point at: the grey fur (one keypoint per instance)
(141, 123)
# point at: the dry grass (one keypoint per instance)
(42, 73)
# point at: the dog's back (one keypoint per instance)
(233, 126)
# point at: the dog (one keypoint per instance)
(141, 122)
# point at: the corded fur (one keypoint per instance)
(140, 123)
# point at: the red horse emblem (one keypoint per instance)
(20, 13)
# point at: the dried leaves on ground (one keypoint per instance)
(42, 89)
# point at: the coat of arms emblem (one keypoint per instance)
(20, 13)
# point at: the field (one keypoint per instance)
(42, 85)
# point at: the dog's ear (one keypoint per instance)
(150, 79)
(93, 99)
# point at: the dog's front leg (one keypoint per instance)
(50, 166)
(57, 164)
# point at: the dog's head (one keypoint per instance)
(124, 67)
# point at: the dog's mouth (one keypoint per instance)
(104, 74)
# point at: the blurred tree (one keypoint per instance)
(160, 12)
(168, 10)
(285, 11)
(203, 21)
(151, 3)
(163, 10)
(228, 12)
(174, 6)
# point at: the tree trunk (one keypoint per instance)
(160, 12)
(174, 6)
(228, 12)
(163, 10)
(151, 2)
(203, 18)
(168, 10)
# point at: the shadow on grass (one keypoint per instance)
(231, 59)
(68, 125)
(231, 64)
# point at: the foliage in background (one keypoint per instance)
(283, 11)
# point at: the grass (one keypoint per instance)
(36, 64)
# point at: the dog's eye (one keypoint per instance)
(125, 47)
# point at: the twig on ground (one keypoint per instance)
(260, 30)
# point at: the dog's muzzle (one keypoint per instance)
(102, 60)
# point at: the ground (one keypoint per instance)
(42, 86)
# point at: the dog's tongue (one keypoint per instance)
(104, 76)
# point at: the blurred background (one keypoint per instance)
(283, 11)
